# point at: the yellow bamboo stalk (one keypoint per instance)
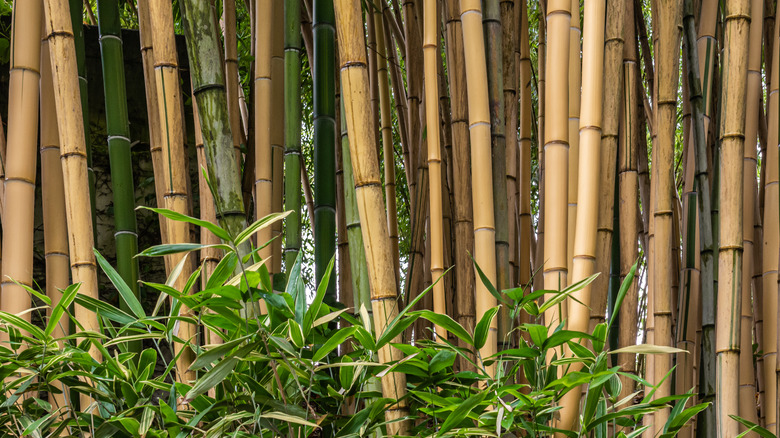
(20, 163)
(73, 155)
(481, 168)
(388, 148)
(575, 85)
(556, 153)
(747, 374)
(55, 232)
(436, 236)
(365, 165)
(263, 106)
(667, 35)
(175, 197)
(771, 247)
(584, 262)
(277, 134)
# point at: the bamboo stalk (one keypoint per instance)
(590, 176)
(55, 232)
(436, 236)
(575, 86)
(773, 115)
(324, 108)
(175, 196)
(556, 152)
(538, 256)
(118, 130)
(525, 91)
(461, 171)
(292, 123)
(368, 191)
(509, 42)
(278, 144)
(263, 107)
(481, 169)
(232, 84)
(747, 373)
(21, 158)
(73, 156)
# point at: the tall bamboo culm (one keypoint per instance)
(430, 53)
(773, 140)
(732, 138)
(368, 191)
(590, 176)
(324, 111)
(665, 111)
(292, 123)
(556, 152)
(55, 231)
(509, 41)
(277, 139)
(461, 170)
(232, 83)
(526, 112)
(118, 130)
(575, 86)
(175, 195)
(73, 155)
(21, 157)
(263, 107)
(481, 167)
(747, 372)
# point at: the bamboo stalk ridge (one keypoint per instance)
(232, 83)
(324, 110)
(21, 157)
(263, 108)
(556, 152)
(747, 373)
(368, 191)
(732, 137)
(292, 123)
(73, 156)
(461, 170)
(388, 149)
(584, 262)
(575, 87)
(277, 139)
(665, 111)
(118, 130)
(436, 236)
(55, 232)
(175, 196)
(481, 168)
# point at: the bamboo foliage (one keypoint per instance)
(21, 157)
(365, 165)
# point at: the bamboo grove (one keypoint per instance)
(458, 144)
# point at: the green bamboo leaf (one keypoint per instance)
(68, 295)
(212, 378)
(288, 418)
(33, 292)
(483, 328)
(565, 293)
(218, 231)
(105, 310)
(296, 290)
(460, 413)
(677, 421)
(36, 425)
(648, 349)
(210, 355)
(296, 334)
(177, 248)
(622, 294)
(259, 225)
(333, 341)
(124, 290)
(492, 289)
(223, 271)
(752, 427)
(314, 309)
(23, 325)
(447, 323)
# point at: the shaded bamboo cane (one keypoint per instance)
(667, 36)
(509, 42)
(556, 152)
(628, 180)
(277, 143)
(747, 373)
(118, 130)
(345, 290)
(324, 109)
(232, 82)
(73, 156)
(175, 196)
(575, 86)
(773, 124)
(292, 123)
(386, 128)
(525, 92)
(436, 236)
(732, 138)
(21, 158)
(368, 191)
(55, 232)
(538, 255)
(590, 177)
(481, 168)
(461, 171)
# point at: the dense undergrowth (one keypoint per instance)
(304, 368)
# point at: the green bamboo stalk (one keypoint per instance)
(208, 84)
(118, 130)
(76, 18)
(324, 103)
(292, 137)
(706, 419)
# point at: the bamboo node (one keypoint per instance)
(207, 87)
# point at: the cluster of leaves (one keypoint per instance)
(303, 368)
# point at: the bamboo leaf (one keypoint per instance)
(648, 349)
(176, 248)
(460, 413)
(119, 283)
(314, 309)
(483, 328)
(68, 295)
(218, 231)
(622, 294)
(23, 325)
(333, 341)
(752, 427)
(105, 310)
(223, 271)
(259, 225)
(289, 418)
(492, 289)
(448, 324)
